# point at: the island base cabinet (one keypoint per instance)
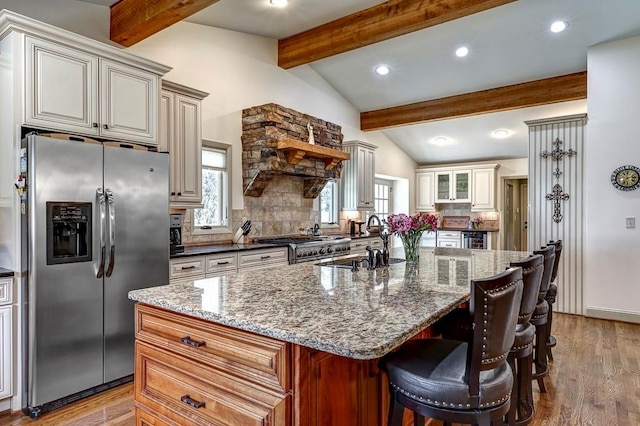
(190, 394)
(146, 419)
(334, 390)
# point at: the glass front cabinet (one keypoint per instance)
(453, 186)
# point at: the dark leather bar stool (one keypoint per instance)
(550, 297)
(539, 318)
(458, 326)
(521, 354)
(456, 381)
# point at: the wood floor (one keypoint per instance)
(594, 380)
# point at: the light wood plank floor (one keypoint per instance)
(594, 380)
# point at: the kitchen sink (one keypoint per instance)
(347, 262)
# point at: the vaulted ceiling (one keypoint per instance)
(429, 102)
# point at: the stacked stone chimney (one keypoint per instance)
(263, 126)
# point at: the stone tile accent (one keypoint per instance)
(262, 127)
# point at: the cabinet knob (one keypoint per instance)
(95, 124)
(104, 126)
(179, 194)
(173, 193)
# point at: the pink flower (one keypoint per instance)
(402, 224)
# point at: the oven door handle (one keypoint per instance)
(101, 203)
(111, 202)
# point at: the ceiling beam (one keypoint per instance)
(378, 23)
(564, 88)
(135, 20)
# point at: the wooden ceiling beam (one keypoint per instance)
(135, 20)
(378, 23)
(564, 88)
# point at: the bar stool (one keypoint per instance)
(457, 381)
(521, 355)
(550, 297)
(458, 326)
(539, 318)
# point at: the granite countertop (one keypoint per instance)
(5, 273)
(360, 315)
(469, 229)
(221, 248)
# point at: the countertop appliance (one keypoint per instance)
(474, 239)
(94, 225)
(309, 248)
(175, 233)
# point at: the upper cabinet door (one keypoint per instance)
(129, 103)
(188, 146)
(61, 87)
(443, 187)
(425, 197)
(483, 190)
(462, 186)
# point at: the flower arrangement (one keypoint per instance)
(410, 229)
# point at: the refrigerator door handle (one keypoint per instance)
(101, 202)
(112, 231)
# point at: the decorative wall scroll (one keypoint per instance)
(557, 193)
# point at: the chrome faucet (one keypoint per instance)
(384, 236)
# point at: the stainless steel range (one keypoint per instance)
(308, 248)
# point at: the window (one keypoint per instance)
(329, 204)
(214, 216)
(382, 198)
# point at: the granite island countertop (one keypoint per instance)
(360, 315)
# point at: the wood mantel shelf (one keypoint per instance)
(298, 150)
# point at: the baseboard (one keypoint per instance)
(613, 314)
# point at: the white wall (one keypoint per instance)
(240, 71)
(88, 19)
(612, 269)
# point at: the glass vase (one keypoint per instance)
(411, 244)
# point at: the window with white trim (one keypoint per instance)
(329, 204)
(382, 198)
(214, 216)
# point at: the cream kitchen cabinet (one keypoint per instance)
(484, 188)
(181, 135)
(425, 191)
(451, 239)
(76, 91)
(454, 269)
(358, 176)
(6, 338)
(359, 245)
(453, 186)
(265, 258)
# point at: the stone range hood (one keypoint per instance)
(275, 142)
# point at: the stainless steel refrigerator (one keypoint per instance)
(95, 226)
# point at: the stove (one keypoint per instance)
(309, 249)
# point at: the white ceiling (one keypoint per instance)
(508, 44)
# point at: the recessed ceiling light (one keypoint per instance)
(440, 140)
(462, 52)
(558, 26)
(279, 3)
(382, 70)
(501, 133)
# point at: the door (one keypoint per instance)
(443, 187)
(61, 90)
(524, 209)
(138, 183)
(65, 295)
(128, 104)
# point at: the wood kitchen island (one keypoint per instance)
(295, 345)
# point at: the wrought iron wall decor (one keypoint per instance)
(557, 193)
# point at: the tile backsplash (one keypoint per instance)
(281, 210)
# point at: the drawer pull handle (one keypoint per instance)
(188, 341)
(192, 402)
(186, 268)
(223, 263)
(265, 257)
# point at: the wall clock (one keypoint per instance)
(626, 178)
